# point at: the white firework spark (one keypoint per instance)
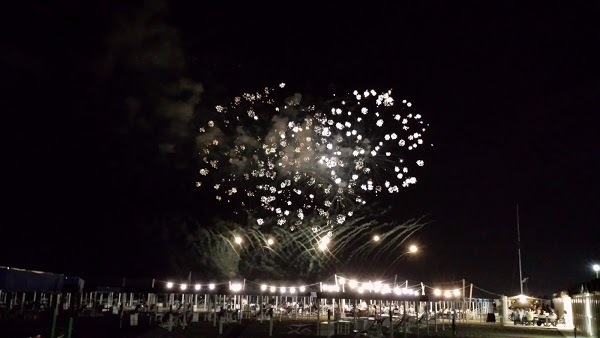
(284, 158)
(307, 251)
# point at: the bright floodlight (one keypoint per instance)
(437, 292)
(270, 241)
(235, 287)
(447, 293)
(197, 287)
(376, 238)
(522, 299)
(596, 267)
(456, 293)
(353, 284)
(413, 248)
(238, 239)
(292, 289)
(183, 287)
(324, 242)
(169, 285)
(342, 280)
(273, 288)
(211, 286)
(263, 287)
(302, 289)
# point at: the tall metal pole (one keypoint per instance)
(519, 249)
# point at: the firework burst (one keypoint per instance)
(275, 155)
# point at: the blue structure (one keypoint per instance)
(21, 280)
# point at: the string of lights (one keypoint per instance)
(339, 284)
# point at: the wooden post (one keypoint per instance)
(318, 316)
(417, 305)
(183, 320)
(454, 322)
(242, 307)
(55, 316)
(435, 316)
(215, 312)
(428, 314)
(70, 329)
(122, 310)
(391, 322)
(445, 306)
(260, 310)
(171, 319)
(405, 316)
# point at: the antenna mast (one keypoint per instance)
(519, 250)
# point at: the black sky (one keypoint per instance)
(512, 95)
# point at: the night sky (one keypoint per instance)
(511, 93)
